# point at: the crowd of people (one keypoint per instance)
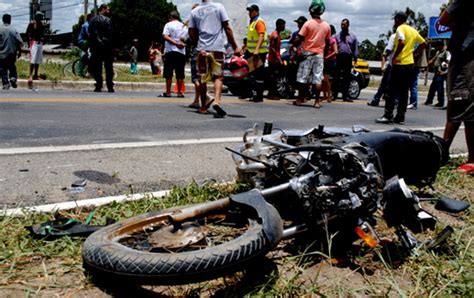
(317, 50)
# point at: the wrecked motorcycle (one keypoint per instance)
(319, 182)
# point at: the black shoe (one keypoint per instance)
(438, 105)
(399, 120)
(428, 103)
(6, 87)
(110, 90)
(13, 83)
(383, 120)
(97, 89)
(373, 103)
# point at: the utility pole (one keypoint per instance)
(86, 7)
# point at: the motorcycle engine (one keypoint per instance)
(346, 181)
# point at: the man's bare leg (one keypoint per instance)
(218, 91)
(450, 131)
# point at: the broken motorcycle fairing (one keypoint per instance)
(316, 181)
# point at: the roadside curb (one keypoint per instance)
(89, 85)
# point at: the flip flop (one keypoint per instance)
(164, 95)
(203, 111)
(180, 95)
(209, 103)
(220, 112)
(466, 169)
(60, 227)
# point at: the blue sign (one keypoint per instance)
(436, 30)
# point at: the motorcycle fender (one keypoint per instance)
(268, 215)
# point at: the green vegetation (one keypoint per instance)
(54, 268)
(54, 71)
(143, 20)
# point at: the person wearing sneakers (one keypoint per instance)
(458, 16)
(402, 69)
(386, 68)
(440, 63)
(348, 51)
(208, 29)
(10, 49)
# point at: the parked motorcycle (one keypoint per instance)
(318, 182)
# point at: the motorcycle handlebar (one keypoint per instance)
(292, 184)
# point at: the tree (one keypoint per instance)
(139, 19)
(369, 51)
(76, 29)
(135, 19)
(417, 21)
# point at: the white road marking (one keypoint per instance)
(89, 147)
(50, 149)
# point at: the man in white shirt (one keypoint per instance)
(175, 53)
(208, 28)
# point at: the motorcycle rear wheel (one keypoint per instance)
(123, 250)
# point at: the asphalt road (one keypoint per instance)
(144, 143)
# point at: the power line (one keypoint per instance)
(15, 9)
(54, 8)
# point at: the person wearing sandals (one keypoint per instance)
(35, 37)
(316, 34)
(208, 29)
(194, 75)
(175, 53)
(458, 16)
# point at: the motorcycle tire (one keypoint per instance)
(104, 256)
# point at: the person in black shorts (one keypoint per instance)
(175, 53)
(458, 16)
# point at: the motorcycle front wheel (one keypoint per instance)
(149, 249)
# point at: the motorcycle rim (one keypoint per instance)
(147, 249)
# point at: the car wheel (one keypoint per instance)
(354, 89)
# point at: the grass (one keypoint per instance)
(37, 267)
(53, 71)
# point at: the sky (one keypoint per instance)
(369, 18)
